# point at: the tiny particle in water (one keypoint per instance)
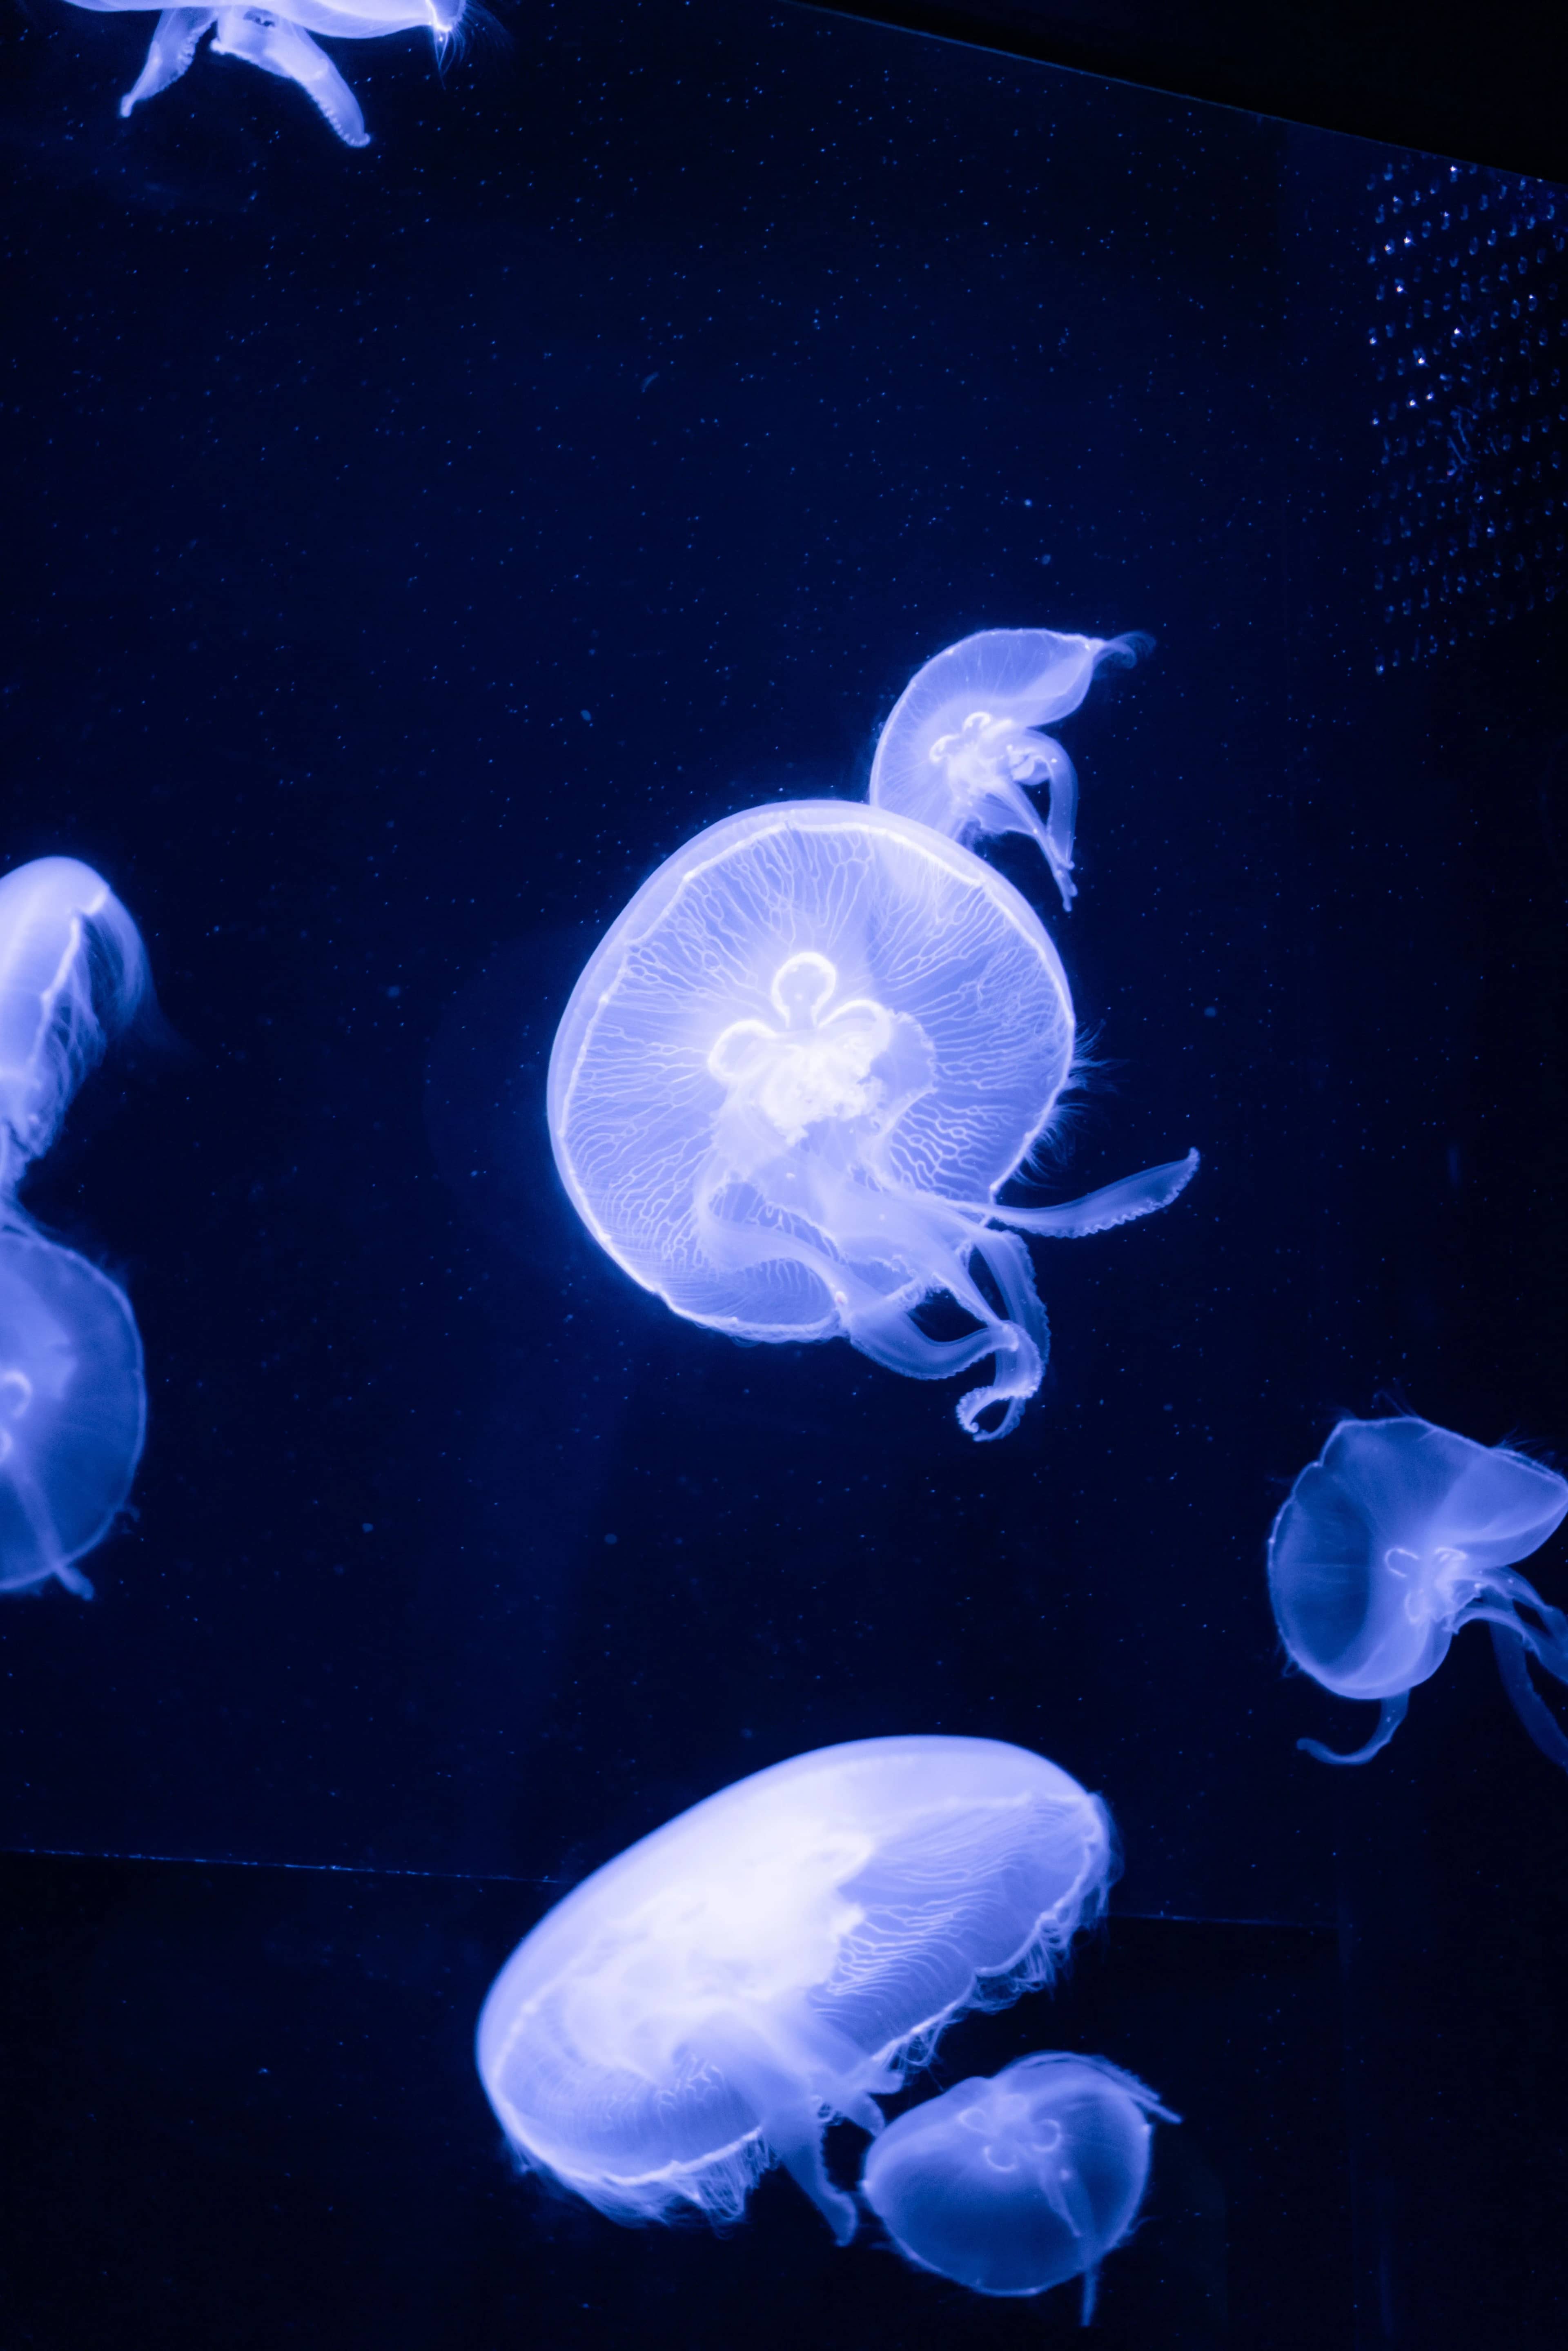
(612, 1539)
(1211, 1011)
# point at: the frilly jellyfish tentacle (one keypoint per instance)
(280, 47)
(1508, 1647)
(1390, 1715)
(1121, 1203)
(176, 37)
(277, 41)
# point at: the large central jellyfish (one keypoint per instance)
(796, 1073)
(1398, 1535)
(72, 1400)
(767, 1963)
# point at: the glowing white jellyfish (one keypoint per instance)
(1398, 1535)
(796, 1073)
(72, 1397)
(704, 2005)
(1017, 2183)
(279, 42)
(963, 741)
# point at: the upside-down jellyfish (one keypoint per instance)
(795, 1073)
(1396, 1537)
(72, 1398)
(963, 739)
(765, 1964)
(1015, 2184)
(279, 42)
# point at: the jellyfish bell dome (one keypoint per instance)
(704, 2005)
(1396, 1537)
(73, 1410)
(794, 1074)
(962, 747)
(1017, 2183)
(72, 971)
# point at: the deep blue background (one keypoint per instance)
(412, 549)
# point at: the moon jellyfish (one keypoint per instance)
(1015, 2184)
(279, 42)
(963, 738)
(703, 2007)
(1396, 1537)
(72, 1398)
(794, 1075)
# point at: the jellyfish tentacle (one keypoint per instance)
(1100, 1212)
(176, 37)
(1391, 1714)
(1510, 1648)
(279, 47)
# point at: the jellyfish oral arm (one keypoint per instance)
(176, 37)
(280, 47)
(1391, 1714)
(1510, 1646)
(1101, 1212)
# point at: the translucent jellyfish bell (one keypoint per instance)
(1015, 2184)
(1398, 1535)
(72, 971)
(278, 41)
(704, 2005)
(72, 1398)
(796, 1073)
(73, 1410)
(963, 741)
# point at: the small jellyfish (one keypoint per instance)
(72, 1397)
(1396, 1537)
(1017, 2183)
(794, 1075)
(73, 1410)
(963, 740)
(704, 2006)
(278, 41)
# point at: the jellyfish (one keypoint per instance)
(1396, 1537)
(770, 1961)
(1017, 2183)
(72, 1396)
(796, 1071)
(279, 42)
(73, 1410)
(963, 740)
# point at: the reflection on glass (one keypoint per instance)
(72, 1398)
(1016, 2184)
(963, 741)
(1398, 1535)
(794, 1076)
(279, 42)
(765, 1964)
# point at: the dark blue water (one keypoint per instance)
(414, 548)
